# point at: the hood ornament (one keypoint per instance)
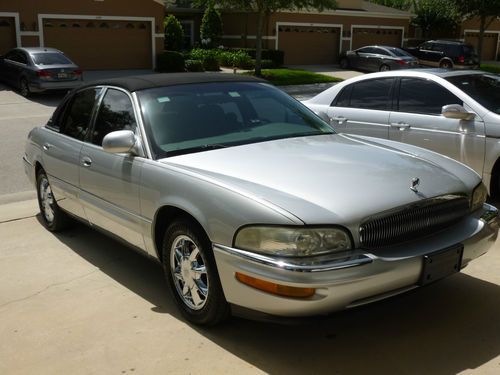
(414, 184)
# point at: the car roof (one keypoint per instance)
(455, 42)
(38, 49)
(141, 82)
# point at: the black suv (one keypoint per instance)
(446, 54)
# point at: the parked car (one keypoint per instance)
(378, 58)
(251, 201)
(446, 54)
(455, 113)
(39, 69)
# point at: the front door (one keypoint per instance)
(418, 121)
(363, 108)
(109, 182)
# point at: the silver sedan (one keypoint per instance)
(249, 200)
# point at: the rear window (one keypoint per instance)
(50, 58)
(399, 52)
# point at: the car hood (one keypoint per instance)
(329, 178)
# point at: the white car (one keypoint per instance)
(455, 113)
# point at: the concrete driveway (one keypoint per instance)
(81, 303)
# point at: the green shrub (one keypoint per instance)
(170, 61)
(174, 34)
(239, 59)
(211, 27)
(209, 58)
(276, 56)
(194, 65)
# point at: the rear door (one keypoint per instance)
(110, 182)
(363, 108)
(63, 141)
(417, 120)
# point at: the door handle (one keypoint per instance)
(400, 125)
(340, 119)
(46, 146)
(86, 162)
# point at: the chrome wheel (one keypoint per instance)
(46, 200)
(189, 272)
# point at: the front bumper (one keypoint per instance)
(345, 281)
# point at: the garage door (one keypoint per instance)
(366, 37)
(490, 41)
(309, 45)
(101, 44)
(7, 34)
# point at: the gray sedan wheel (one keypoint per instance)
(191, 273)
(24, 88)
(384, 68)
(53, 217)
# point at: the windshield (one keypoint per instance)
(198, 117)
(484, 88)
(50, 58)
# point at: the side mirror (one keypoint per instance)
(121, 141)
(456, 111)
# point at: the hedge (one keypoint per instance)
(170, 61)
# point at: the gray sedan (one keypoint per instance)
(249, 200)
(39, 69)
(378, 58)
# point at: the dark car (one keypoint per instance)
(39, 69)
(378, 58)
(446, 54)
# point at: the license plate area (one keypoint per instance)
(62, 75)
(442, 263)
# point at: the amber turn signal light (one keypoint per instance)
(280, 290)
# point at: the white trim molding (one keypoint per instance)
(17, 25)
(41, 17)
(354, 13)
(380, 27)
(241, 36)
(331, 25)
(489, 32)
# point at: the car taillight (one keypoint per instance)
(44, 73)
(78, 72)
(461, 59)
(402, 62)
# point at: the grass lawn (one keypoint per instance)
(490, 68)
(284, 77)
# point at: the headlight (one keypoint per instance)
(292, 242)
(479, 196)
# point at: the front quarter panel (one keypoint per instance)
(217, 208)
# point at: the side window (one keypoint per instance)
(17, 56)
(343, 98)
(424, 96)
(381, 51)
(115, 113)
(426, 46)
(76, 118)
(372, 94)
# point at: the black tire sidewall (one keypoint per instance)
(24, 82)
(216, 308)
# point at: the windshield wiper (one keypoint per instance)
(190, 150)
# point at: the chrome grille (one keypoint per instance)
(404, 225)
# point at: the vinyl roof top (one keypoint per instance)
(141, 82)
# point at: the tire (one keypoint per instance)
(344, 63)
(384, 68)
(191, 273)
(446, 64)
(53, 217)
(24, 88)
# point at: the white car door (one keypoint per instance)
(363, 108)
(417, 120)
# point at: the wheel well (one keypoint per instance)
(494, 182)
(165, 216)
(447, 59)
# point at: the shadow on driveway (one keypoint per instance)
(445, 328)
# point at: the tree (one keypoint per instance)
(174, 34)
(432, 14)
(211, 27)
(264, 8)
(485, 10)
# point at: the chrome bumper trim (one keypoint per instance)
(312, 264)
